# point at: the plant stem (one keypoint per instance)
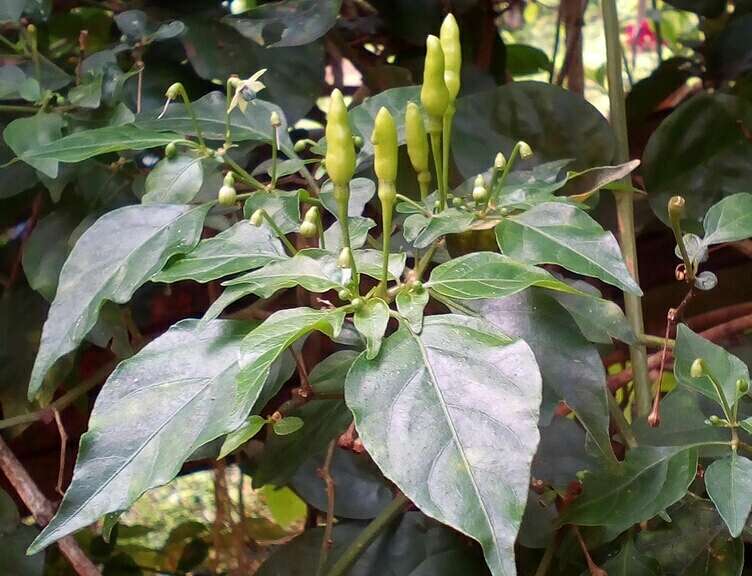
(275, 148)
(342, 196)
(497, 181)
(192, 114)
(446, 143)
(436, 151)
(425, 260)
(548, 556)
(625, 203)
(326, 476)
(281, 235)
(228, 131)
(19, 109)
(414, 204)
(656, 341)
(243, 173)
(368, 535)
(387, 209)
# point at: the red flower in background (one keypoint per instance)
(640, 36)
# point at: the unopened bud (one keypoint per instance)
(171, 150)
(358, 141)
(257, 218)
(174, 91)
(344, 294)
(344, 260)
(457, 202)
(229, 179)
(500, 161)
(312, 215)
(299, 146)
(742, 386)
(308, 229)
(227, 195)
(525, 150)
(715, 420)
(698, 368)
(676, 207)
(357, 302)
(275, 119)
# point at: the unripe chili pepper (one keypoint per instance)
(417, 146)
(340, 148)
(384, 139)
(450, 44)
(434, 94)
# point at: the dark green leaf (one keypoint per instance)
(25, 135)
(174, 180)
(241, 247)
(581, 185)
(709, 8)
(119, 253)
(556, 233)
(630, 562)
(89, 143)
(694, 543)
(729, 220)
(371, 320)
(598, 319)
(489, 275)
(729, 485)
(680, 157)
(186, 378)
(328, 376)
(536, 112)
(237, 438)
(288, 425)
(288, 22)
(649, 480)
(438, 422)
(723, 368)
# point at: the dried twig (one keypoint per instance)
(63, 448)
(325, 472)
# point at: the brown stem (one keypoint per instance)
(42, 510)
(325, 472)
(593, 568)
(63, 448)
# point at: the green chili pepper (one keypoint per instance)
(450, 45)
(434, 94)
(384, 139)
(417, 146)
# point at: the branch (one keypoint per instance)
(42, 509)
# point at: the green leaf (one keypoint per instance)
(249, 126)
(283, 455)
(571, 367)
(411, 303)
(438, 422)
(87, 94)
(237, 438)
(523, 189)
(281, 206)
(489, 275)
(523, 60)
(287, 23)
(680, 157)
(89, 143)
(241, 247)
(538, 113)
(556, 233)
(649, 480)
(598, 319)
(114, 257)
(328, 376)
(630, 562)
(315, 274)
(174, 180)
(361, 192)
(369, 262)
(582, 185)
(729, 220)
(450, 221)
(723, 368)
(262, 346)
(358, 228)
(177, 394)
(11, 10)
(694, 543)
(24, 135)
(285, 506)
(729, 485)
(371, 320)
(288, 425)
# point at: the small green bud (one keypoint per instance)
(525, 150)
(416, 286)
(457, 202)
(742, 386)
(698, 368)
(344, 260)
(437, 204)
(227, 195)
(299, 146)
(174, 91)
(229, 179)
(480, 194)
(479, 181)
(308, 229)
(312, 215)
(171, 150)
(257, 218)
(715, 420)
(504, 211)
(676, 207)
(275, 120)
(358, 141)
(357, 302)
(344, 294)
(500, 161)
(31, 29)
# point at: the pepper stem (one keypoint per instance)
(191, 113)
(342, 196)
(436, 151)
(275, 148)
(387, 194)
(498, 179)
(446, 142)
(278, 231)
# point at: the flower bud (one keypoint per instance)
(340, 148)
(450, 45)
(457, 202)
(344, 260)
(676, 207)
(299, 146)
(742, 386)
(174, 91)
(312, 215)
(698, 368)
(357, 302)
(227, 195)
(715, 420)
(229, 179)
(525, 150)
(358, 141)
(275, 120)
(434, 94)
(480, 192)
(171, 150)
(416, 286)
(500, 161)
(308, 229)
(344, 294)
(257, 218)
